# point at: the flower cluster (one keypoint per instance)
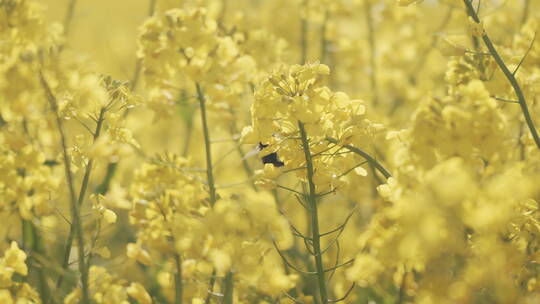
(13, 262)
(186, 45)
(467, 123)
(28, 183)
(166, 200)
(107, 288)
(468, 234)
(294, 97)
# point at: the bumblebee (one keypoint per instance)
(271, 158)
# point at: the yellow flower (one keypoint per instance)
(476, 28)
(5, 296)
(136, 252)
(138, 292)
(109, 216)
(14, 258)
(365, 270)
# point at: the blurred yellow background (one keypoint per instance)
(104, 31)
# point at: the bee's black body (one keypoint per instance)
(271, 158)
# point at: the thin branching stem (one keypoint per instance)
(294, 169)
(340, 265)
(525, 15)
(349, 170)
(93, 245)
(211, 287)
(293, 227)
(68, 18)
(509, 75)
(75, 210)
(80, 200)
(178, 286)
(365, 155)
(324, 151)
(209, 168)
(299, 200)
(338, 252)
(342, 226)
(334, 240)
(308, 247)
(327, 192)
(290, 189)
(33, 243)
(293, 298)
(112, 167)
(345, 296)
(284, 258)
(401, 292)
(504, 99)
(526, 54)
(311, 198)
(207, 145)
(223, 157)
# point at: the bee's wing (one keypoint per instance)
(252, 153)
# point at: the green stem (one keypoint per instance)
(365, 155)
(75, 210)
(187, 138)
(109, 174)
(521, 144)
(211, 287)
(228, 288)
(401, 292)
(69, 16)
(187, 115)
(33, 243)
(152, 7)
(111, 167)
(80, 200)
(209, 169)
(312, 200)
(178, 279)
(509, 75)
(525, 15)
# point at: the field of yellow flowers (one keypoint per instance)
(269, 151)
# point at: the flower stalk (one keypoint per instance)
(178, 286)
(311, 198)
(75, 206)
(80, 200)
(33, 243)
(228, 288)
(365, 155)
(69, 16)
(509, 75)
(207, 145)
